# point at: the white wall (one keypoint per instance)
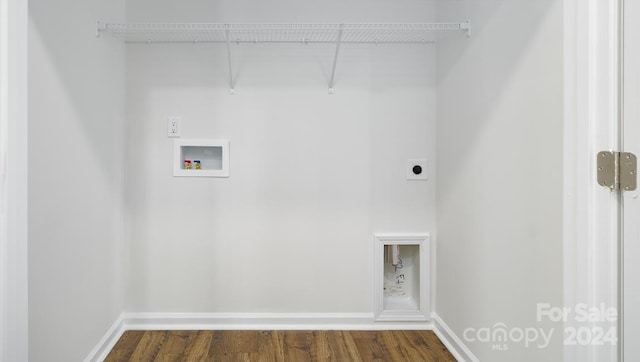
(312, 176)
(76, 111)
(13, 176)
(499, 171)
(281, 11)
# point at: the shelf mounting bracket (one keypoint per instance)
(99, 28)
(335, 59)
(466, 26)
(232, 91)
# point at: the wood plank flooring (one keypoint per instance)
(295, 346)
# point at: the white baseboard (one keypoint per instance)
(263, 321)
(102, 349)
(453, 343)
(270, 321)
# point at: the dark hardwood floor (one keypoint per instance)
(295, 346)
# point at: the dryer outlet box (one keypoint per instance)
(417, 169)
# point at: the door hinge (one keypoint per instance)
(617, 170)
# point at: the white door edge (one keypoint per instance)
(591, 212)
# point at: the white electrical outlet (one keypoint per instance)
(173, 127)
(417, 169)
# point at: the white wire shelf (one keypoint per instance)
(399, 33)
(337, 34)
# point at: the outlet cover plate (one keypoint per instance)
(173, 127)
